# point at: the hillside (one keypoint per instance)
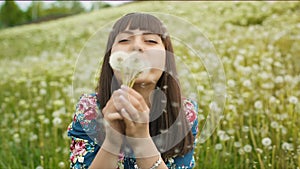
(44, 68)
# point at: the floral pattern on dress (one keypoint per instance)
(86, 111)
(78, 150)
(83, 148)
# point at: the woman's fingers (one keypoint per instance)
(136, 95)
(114, 116)
(130, 109)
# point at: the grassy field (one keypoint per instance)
(257, 42)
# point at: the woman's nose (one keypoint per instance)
(137, 45)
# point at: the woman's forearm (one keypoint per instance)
(146, 153)
(107, 156)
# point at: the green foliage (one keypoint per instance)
(257, 42)
(11, 14)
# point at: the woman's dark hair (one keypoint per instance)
(168, 83)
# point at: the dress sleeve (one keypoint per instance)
(83, 131)
(187, 161)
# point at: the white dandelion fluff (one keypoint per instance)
(247, 148)
(293, 99)
(129, 65)
(266, 141)
(258, 104)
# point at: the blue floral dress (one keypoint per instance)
(83, 148)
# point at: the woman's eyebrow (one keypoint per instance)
(143, 33)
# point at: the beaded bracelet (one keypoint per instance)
(155, 165)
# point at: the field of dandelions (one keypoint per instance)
(257, 42)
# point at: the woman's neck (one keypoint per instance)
(145, 90)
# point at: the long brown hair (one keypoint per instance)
(168, 83)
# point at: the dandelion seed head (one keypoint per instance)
(241, 151)
(293, 100)
(258, 150)
(237, 144)
(245, 129)
(56, 121)
(258, 104)
(43, 92)
(272, 99)
(278, 79)
(266, 141)
(287, 146)
(231, 83)
(218, 146)
(274, 124)
(61, 164)
(247, 148)
(16, 138)
(247, 83)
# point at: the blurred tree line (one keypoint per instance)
(11, 14)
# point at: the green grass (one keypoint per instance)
(256, 41)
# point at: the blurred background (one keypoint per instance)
(258, 44)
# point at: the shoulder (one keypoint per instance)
(87, 107)
(190, 107)
(86, 113)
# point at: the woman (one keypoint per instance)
(140, 127)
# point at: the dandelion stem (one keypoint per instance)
(255, 146)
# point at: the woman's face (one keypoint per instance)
(151, 49)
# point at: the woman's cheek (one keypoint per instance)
(156, 59)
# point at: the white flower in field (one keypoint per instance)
(266, 141)
(274, 124)
(231, 83)
(43, 84)
(218, 146)
(247, 83)
(39, 167)
(293, 99)
(237, 144)
(16, 138)
(241, 151)
(56, 121)
(22, 102)
(264, 75)
(246, 70)
(283, 130)
(61, 164)
(46, 121)
(288, 78)
(279, 79)
(214, 107)
(245, 129)
(268, 85)
(287, 146)
(272, 99)
(247, 148)
(260, 151)
(258, 104)
(200, 88)
(43, 92)
(32, 136)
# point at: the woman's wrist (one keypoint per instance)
(112, 147)
(143, 147)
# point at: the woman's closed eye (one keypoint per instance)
(123, 40)
(151, 41)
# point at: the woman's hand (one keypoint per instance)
(134, 111)
(113, 119)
